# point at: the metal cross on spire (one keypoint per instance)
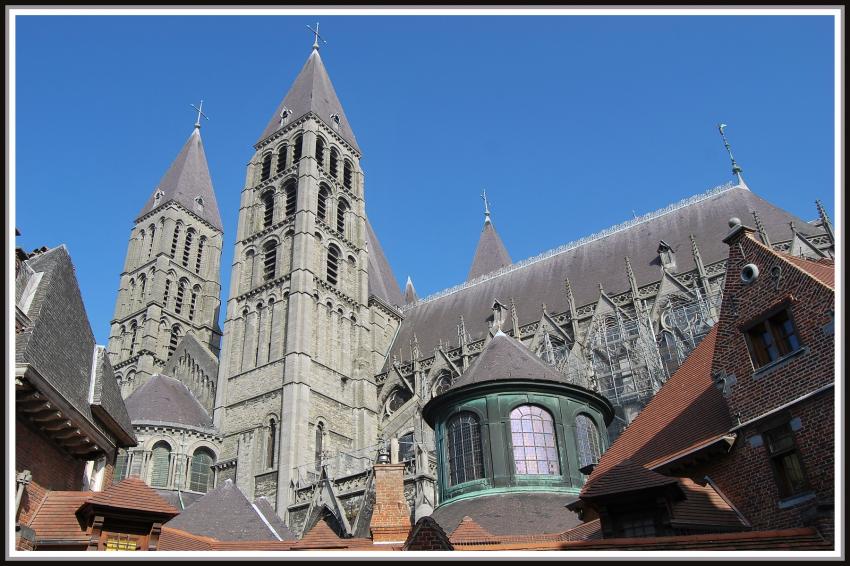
(318, 37)
(200, 110)
(736, 170)
(486, 206)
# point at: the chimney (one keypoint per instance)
(391, 514)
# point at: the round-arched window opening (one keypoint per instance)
(533, 438)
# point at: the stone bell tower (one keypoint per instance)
(296, 380)
(170, 284)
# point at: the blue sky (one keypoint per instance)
(571, 123)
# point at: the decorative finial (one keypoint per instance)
(317, 36)
(736, 170)
(200, 110)
(486, 207)
(760, 228)
(824, 221)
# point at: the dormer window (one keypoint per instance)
(158, 196)
(284, 115)
(199, 203)
(667, 256)
(335, 120)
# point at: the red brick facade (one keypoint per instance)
(391, 514)
(51, 468)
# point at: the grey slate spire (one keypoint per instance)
(490, 254)
(188, 182)
(410, 295)
(312, 91)
(382, 281)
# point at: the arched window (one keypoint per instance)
(174, 240)
(333, 264)
(173, 339)
(533, 439)
(396, 399)
(271, 441)
(463, 446)
(196, 290)
(120, 466)
(160, 457)
(341, 209)
(200, 474)
(267, 167)
(442, 382)
(269, 260)
(134, 329)
(334, 165)
(165, 294)
(297, 149)
(248, 274)
(181, 292)
(322, 205)
(187, 246)
(281, 158)
(290, 191)
(320, 151)
(152, 231)
(346, 174)
(201, 243)
(320, 439)
(587, 438)
(142, 282)
(268, 208)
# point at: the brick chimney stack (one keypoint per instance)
(391, 514)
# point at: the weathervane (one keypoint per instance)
(486, 206)
(318, 37)
(199, 110)
(736, 170)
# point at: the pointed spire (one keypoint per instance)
(736, 170)
(490, 254)
(698, 258)
(824, 221)
(382, 281)
(760, 228)
(632, 281)
(514, 319)
(410, 295)
(313, 92)
(188, 183)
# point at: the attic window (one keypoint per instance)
(199, 204)
(335, 120)
(284, 115)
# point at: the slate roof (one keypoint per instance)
(505, 514)
(410, 295)
(163, 399)
(490, 254)
(133, 494)
(60, 346)
(687, 412)
(188, 178)
(598, 260)
(382, 281)
(312, 91)
(173, 497)
(507, 358)
(225, 514)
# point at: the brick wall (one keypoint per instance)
(391, 514)
(746, 475)
(51, 468)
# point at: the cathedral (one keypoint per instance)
(319, 361)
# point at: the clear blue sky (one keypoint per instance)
(571, 123)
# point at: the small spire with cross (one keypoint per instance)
(486, 206)
(200, 110)
(736, 169)
(317, 36)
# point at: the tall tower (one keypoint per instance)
(170, 285)
(296, 379)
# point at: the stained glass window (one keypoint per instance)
(587, 437)
(464, 449)
(533, 440)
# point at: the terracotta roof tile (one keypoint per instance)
(704, 506)
(587, 531)
(687, 412)
(175, 539)
(320, 536)
(470, 532)
(822, 269)
(133, 493)
(624, 477)
(56, 518)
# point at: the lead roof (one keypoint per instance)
(163, 399)
(490, 254)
